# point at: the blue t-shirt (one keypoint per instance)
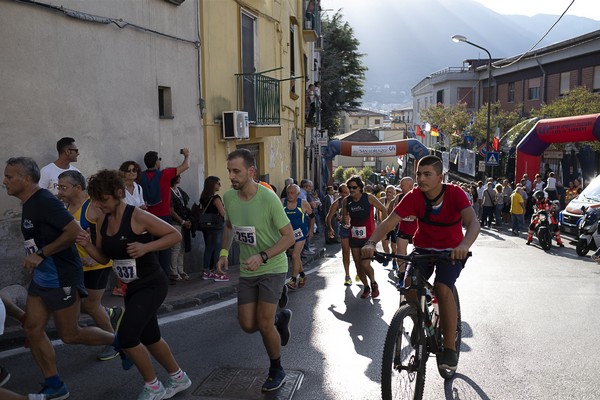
(43, 220)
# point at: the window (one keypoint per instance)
(248, 40)
(596, 83)
(565, 82)
(533, 93)
(511, 92)
(165, 107)
(377, 121)
(439, 97)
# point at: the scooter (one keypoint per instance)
(542, 230)
(589, 234)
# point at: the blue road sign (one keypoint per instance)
(492, 158)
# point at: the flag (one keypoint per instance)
(427, 127)
(496, 140)
(434, 131)
(419, 131)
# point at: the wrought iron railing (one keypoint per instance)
(260, 96)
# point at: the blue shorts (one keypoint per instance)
(344, 233)
(446, 272)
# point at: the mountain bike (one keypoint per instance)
(414, 332)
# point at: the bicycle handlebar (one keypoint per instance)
(442, 255)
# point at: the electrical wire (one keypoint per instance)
(538, 42)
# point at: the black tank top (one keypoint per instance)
(115, 247)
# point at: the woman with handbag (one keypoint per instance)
(211, 223)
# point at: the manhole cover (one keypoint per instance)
(245, 384)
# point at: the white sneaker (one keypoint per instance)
(174, 386)
(149, 394)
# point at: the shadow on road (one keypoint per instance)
(462, 387)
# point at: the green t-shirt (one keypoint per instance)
(256, 224)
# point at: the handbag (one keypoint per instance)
(210, 221)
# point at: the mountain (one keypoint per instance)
(405, 41)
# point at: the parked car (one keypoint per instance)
(574, 211)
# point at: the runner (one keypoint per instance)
(71, 190)
(57, 282)
(389, 201)
(131, 237)
(299, 212)
(257, 221)
(357, 212)
(406, 230)
(440, 209)
(344, 232)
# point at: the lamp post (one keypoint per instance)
(461, 38)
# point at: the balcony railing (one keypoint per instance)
(259, 95)
(311, 25)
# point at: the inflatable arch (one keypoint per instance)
(582, 128)
(368, 149)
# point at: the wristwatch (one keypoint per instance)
(40, 252)
(265, 257)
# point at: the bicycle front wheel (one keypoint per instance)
(404, 357)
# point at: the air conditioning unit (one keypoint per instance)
(235, 125)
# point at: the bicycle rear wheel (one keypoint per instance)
(447, 373)
(403, 363)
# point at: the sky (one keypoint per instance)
(581, 8)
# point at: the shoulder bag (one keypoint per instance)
(210, 221)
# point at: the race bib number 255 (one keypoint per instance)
(245, 235)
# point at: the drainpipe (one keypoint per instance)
(543, 86)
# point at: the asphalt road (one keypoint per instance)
(529, 332)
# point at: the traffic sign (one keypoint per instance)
(492, 158)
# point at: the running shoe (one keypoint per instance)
(366, 293)
(357, 278)
(449, 359)
(174, 386)
(291, 283)
(107, 353)
(208, 275)
(153, 394)
(374, 290)
(184, 276)
(301, 281)
(283, 300)
(282, 324)
(4, 376)
(116, 315)
(347, 281)
(274, 381)
(176, 277)
(55, 393)
(221, 278)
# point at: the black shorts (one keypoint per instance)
(405, 236)
(391, 236)
(96, 279)
(57, 298)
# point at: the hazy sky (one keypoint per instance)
(582, 8)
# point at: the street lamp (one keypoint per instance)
(461, 38)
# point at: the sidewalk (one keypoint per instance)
(183, 295)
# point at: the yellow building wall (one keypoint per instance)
(221, 60)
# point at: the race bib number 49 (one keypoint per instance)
(359, 232)
(245, 235)
(125, 269)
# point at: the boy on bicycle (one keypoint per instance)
(441, 210)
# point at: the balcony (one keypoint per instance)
(259, 95)
(311, 26)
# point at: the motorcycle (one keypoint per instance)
(542, 230)
(589, 234)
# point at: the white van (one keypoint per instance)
(589, 197)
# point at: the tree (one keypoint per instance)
(348, 172)
(449, 119)
(365, 173)
(342, 72)
(338, 174)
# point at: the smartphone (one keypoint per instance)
(180, 151)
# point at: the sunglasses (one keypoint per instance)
(132, 170)
(352, 187)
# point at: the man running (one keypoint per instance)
(344, 231)
(299, 213)
(440, 209)
(71, 190)
(256, 220)
(57, 283)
